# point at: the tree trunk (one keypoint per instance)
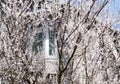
(60, 77)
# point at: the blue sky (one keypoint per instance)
(114, 6)
(115, 11)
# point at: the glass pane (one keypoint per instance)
(51, 43)
(38, 43)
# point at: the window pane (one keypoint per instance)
(51, 43)
(38, 43)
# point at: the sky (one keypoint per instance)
(115, 6)
(115, 11)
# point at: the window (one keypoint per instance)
(51, 43)
(44, 41)
(38, 43)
